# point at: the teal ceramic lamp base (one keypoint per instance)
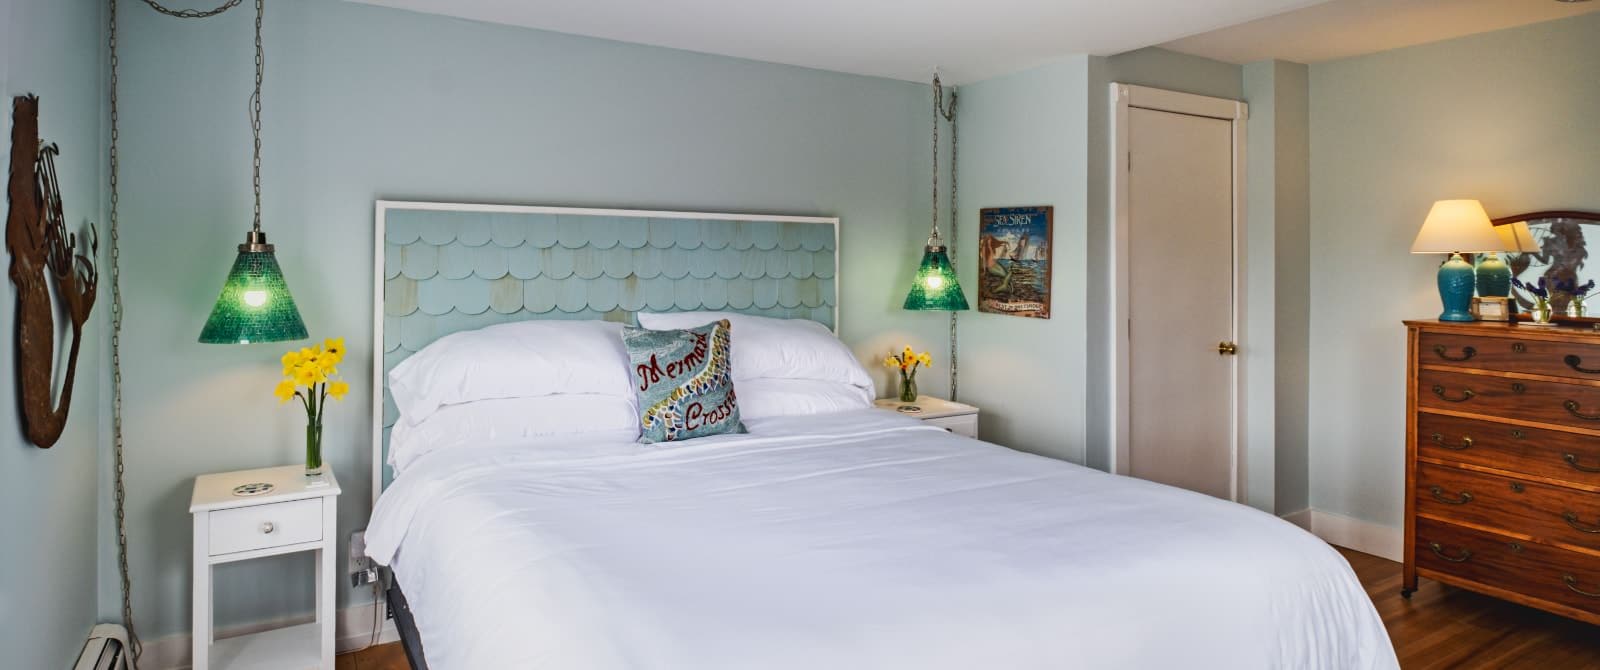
(1494, 276)
(1456, 284)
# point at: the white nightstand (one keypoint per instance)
(230, 526)
(952, 416)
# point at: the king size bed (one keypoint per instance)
(829, 535)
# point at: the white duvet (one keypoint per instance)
(859, 540)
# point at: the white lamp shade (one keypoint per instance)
(1457, 225)
(1516, 237)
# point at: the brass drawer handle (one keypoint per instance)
(1517, 487)
(1517, 434)
(1572, 520)
(1466, 554)
(1576, 363)
(1438, 494)
(1519, 347)
(1466, 394)
(1572, 408)
(1519, 388)
(1466, 353)
(1572, 460)
(1572, 583)
(1515, 547)
(1465, 442)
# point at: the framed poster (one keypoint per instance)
(1014, 260)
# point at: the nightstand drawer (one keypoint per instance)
(264, 526)
(965, 425)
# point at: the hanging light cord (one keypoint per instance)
(949, 114)
(119, 487)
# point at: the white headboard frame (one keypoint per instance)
(382, 209)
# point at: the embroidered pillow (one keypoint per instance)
(684, 382)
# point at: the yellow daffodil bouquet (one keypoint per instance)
(308, 374)
(907, 361)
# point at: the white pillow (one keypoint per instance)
(764, 347)
(762, 398)
(525, 359)
(516, 422)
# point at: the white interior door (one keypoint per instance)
(1181, 269)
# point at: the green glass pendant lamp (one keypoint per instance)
(255, 304)
(936, 287)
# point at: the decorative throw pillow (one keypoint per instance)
(684, 382)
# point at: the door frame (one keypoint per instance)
(1123, 98)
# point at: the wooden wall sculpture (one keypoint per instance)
(43, 252)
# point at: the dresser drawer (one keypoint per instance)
(1548, 513)
(264, 526)
(1576, 405)
(1546, 453)
(1566, 578)
(1563, 359)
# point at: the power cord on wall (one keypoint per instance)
(119, 487)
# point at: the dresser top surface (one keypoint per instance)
(1506, 329)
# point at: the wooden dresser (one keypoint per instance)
(1503, 462)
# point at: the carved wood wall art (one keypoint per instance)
(43, 252)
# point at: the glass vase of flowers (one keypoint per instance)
(308, 374)
(1576, 293)
(1540, 293)
(907, 362)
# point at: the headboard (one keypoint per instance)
(448, 267)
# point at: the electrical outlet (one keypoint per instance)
(358, 551)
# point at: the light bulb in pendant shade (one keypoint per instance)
(255, 297)
(934, 282)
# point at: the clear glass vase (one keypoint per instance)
(313, 449)
(908, 388)
(1541, 310)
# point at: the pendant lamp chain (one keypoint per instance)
(949, 114)
(119, 487)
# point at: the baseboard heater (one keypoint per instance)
(106, 649)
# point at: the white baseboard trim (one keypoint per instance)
(1363, 536)
(1301, 518)
(352, 626)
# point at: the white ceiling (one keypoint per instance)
(903, 39)
(1343, 28)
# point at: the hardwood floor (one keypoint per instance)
(1446, 627)
(1440, 627)
(382, 657)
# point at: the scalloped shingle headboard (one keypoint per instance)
(446, 267)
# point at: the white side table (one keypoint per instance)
(952, 416)
(236, 526)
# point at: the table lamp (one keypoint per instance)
(1494, 276)
(1455, 227)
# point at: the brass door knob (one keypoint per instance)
(1227, 349)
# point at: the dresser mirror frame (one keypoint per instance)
(1562, 237)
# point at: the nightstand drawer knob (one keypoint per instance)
(267, 527)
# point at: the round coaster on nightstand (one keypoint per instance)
(908, 409)
(252, 489)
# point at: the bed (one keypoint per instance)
(860, 539)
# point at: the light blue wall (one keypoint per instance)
(1506, 117)
(1041, 137)
(1275, 342)
(364, 102)
(1023, 143)
(49, 498)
